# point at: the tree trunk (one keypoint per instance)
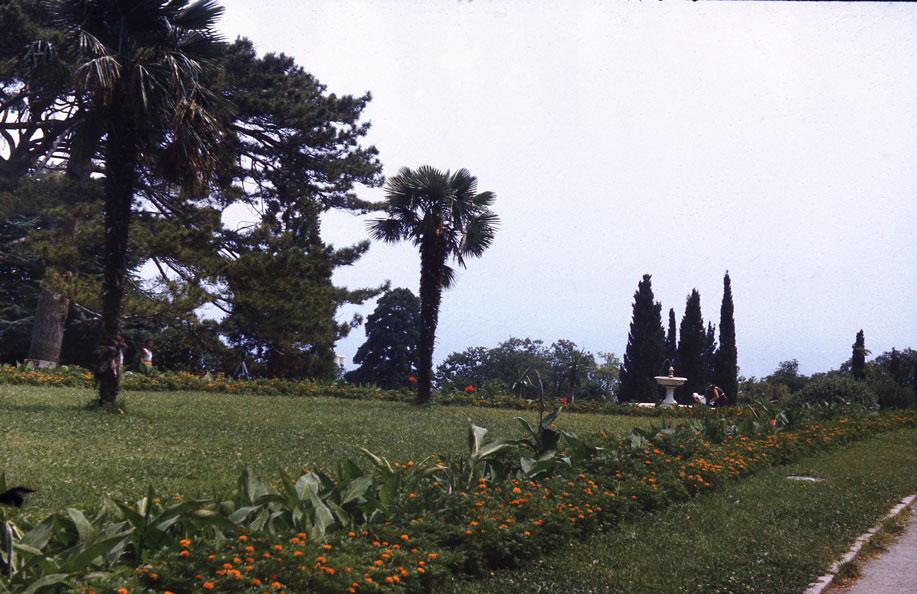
(432, 263)
(48, 329)
(51, 314)
(120, 179)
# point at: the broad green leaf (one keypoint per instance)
(356, 489)
(39, 536)
(323, 517)
(83, 527)
(43, 582)
(84, 559)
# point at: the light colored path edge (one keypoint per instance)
(825, 581)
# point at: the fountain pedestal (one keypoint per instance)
(669, 382)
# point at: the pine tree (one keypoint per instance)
(388, 358)
(692, 344)
(725, 368)
(858, 359)
(645, 352)
(297, 154)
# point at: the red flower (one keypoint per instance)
(563, 401)
(469, 388)
(412, 379)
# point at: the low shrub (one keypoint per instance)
(834, 390)
(891, 394)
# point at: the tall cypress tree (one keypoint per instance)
(710, 350)
(692, 344)
(725, 367)
(858, 360)
(645, 352)
(671, 339)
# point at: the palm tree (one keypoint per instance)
(137, 67)
(446, 217)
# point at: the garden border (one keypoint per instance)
(820, 585)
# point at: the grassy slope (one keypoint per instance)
(766, 534)
(192, 442)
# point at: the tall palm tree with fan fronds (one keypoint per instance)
(136, 67)
(445, 216)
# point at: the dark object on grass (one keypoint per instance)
(14, 496)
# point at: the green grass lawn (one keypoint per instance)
(765, 534)
(192, 442)
(762, 534)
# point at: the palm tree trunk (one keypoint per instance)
(432, 264)
(120, 179)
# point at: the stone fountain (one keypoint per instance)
(670, 382)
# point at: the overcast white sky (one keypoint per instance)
(775, 140)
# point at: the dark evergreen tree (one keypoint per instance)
(692, 344)
(645, 352)
(671, 339)
(388, 358)
(726, 367)
(858, 359)
(295, 152)
(710, 350)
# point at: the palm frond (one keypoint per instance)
(200, 15)
(388, 230)
(97, 74)
(449, 277)
(479, 235)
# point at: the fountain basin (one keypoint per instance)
(664, 380)
(669, 382)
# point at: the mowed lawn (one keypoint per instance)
(193, 443)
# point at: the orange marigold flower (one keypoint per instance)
(184, 554)
(122, 591)
(208, 585)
